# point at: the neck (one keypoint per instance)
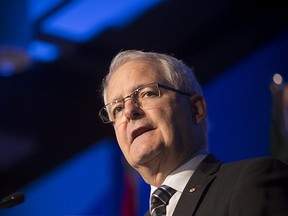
(152, 177)
(155, 174)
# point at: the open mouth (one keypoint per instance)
(139, 131)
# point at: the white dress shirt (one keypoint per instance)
(179, 178)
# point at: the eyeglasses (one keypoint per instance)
(142, 97)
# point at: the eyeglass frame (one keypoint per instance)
(122, 100)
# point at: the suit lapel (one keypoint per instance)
(195, 188)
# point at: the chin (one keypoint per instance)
(145, 159)
(138, 161)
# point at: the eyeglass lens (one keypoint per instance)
(141, 97)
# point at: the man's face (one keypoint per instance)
(158, 137)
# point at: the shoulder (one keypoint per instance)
(262, 163)
(256, 164)
(264, 168)
(241, 183)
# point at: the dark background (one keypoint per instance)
(49, 112)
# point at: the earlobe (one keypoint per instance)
(198, 106)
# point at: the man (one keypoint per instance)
(159, 116)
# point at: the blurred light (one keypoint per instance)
(277, 78)
(38, 8)
(14, 37)
(7, 69)
(79, 186)
(13, 60)
(80, 20)
(43, 51)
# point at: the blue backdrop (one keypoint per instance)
(239, 107)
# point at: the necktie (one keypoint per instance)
(160, 199)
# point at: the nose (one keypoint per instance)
(132, 110)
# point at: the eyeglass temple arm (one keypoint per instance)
(175, 90)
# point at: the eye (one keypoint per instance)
(148, 92)
(116, 109)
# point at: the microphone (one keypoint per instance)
(12, 200)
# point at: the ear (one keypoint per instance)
(198, 107)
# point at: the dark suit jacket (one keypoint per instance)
(254, 187)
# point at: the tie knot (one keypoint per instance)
(160, 199)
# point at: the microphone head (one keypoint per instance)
(12, 200)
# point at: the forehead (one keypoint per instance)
(131, 75)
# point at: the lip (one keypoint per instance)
(139, 131)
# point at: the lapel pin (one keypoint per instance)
(192, 189)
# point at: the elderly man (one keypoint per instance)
(159, 116)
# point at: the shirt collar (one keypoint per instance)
(183, 173)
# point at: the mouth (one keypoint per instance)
(139, 131)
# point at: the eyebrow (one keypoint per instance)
(133, 89)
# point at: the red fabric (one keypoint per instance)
(128, 207)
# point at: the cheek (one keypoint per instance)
(173, 122)
(121, 137)
(163, 118)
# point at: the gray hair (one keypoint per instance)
(178, 75)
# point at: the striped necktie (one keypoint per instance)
(160, 199)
